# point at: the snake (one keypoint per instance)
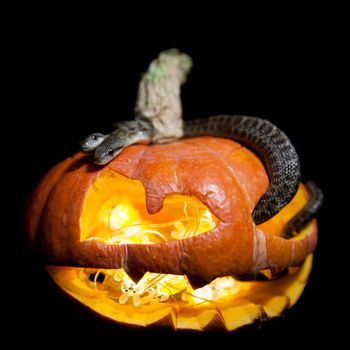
(260, 135)
(307, 213)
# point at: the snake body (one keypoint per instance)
(260, 135)
(298, 221)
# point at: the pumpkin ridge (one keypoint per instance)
(34, 215)
(136, 172)
(225, 162)
(73, 221)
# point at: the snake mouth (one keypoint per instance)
(91, 142)
(102, 156)
(86, 149)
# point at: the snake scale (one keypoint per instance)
(264, 138)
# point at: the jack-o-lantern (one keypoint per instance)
(164, 234)
(135, 240)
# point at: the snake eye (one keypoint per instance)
(110, 150)
(94, 137)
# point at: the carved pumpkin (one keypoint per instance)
(131, 240)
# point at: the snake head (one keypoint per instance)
(91, 142)
(107, 150)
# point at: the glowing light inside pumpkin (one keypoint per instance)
(122, 215)
(126, 228)
(114, 212)
(154, 288)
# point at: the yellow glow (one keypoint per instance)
(115, 213)
(159, 299)
(122, 215)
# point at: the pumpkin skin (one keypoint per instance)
(229, 180)
(226, 177)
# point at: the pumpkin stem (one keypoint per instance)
(159, 98)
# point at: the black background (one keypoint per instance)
(69, 83)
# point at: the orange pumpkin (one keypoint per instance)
(132, 239)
